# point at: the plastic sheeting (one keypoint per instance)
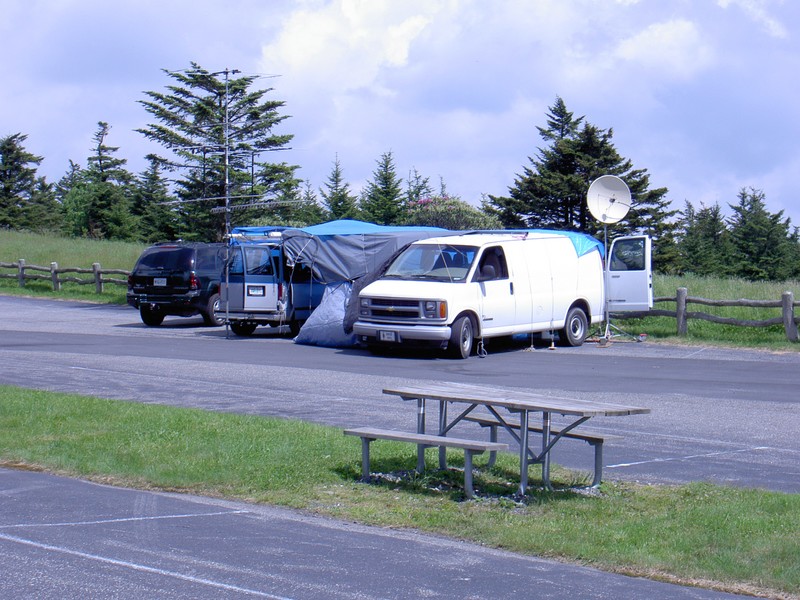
(346, 250)
(325, 326)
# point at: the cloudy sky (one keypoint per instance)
(704, 94)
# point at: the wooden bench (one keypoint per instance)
(593, 439)
(423, 440)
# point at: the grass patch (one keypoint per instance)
(704, 332)
(41, 250)
(735, 539)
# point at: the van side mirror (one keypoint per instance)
(487, 272)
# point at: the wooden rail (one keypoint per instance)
(682, 315)
(54, 275)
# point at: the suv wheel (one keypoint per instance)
(210, 317)
(152, 316)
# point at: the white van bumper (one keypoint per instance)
(396, 333)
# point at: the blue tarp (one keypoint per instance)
(346, 250)
(352, 227)
(583, 242)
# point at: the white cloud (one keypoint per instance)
(343, 45)
(757, 11)
(673, 49)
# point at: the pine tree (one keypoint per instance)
(382, 200)
(99, 205)
(704, 245)
(216, 128)
(41, 213)
(154, 206)
(336, 196)
(18, 180)
(551, 191)
(417, 187)
(762, 243)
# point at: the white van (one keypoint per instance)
(450, 291)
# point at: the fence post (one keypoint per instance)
(54, 276)
(98, 281)
(21, 276)
(787, 303)
(680, 311)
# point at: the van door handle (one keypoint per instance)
(511, 287)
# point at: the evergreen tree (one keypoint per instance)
(336, 196)
(154, 206)
(18, 180)
(704, 245)
(417, 187)
(216, 127)
(99, 204)
(763, 247)
(551, 192)
(536, 197)
(41, 213)
(382, 200)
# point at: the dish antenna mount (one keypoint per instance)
(609, 200)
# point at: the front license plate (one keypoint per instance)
(160, 281)
(387, 336)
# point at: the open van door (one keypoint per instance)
(253, 278)
(629, 274)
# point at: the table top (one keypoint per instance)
(512, 399)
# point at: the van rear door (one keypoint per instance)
(261, 277)
(629, 275)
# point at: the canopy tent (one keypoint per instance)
(346, 250)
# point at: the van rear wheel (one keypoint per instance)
(461, 338)
(576, 328)
(243, 328)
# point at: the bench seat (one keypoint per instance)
(593, 439)
(424, 440)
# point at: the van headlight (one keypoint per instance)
(364, 307)
(435, 309)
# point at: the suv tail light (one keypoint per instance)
(280, 292)
(194, 282)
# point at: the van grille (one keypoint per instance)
(393, 308)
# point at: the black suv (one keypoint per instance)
(177, 278)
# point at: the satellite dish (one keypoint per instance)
(608, 199)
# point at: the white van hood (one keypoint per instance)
(409, 288)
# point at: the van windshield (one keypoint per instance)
(438, 262)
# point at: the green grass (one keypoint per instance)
(740, 540)
(41, 250)
(704, 332)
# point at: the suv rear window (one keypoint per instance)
(173, 259)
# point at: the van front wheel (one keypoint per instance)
(461, 338)
(576, 328)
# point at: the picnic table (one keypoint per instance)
(512, 409)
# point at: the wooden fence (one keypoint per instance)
(682, 315)
(54, 275)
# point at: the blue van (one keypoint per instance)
(261, 287)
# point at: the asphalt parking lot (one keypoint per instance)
(67, 538)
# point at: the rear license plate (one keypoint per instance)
(160, 281)
(387, 336)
